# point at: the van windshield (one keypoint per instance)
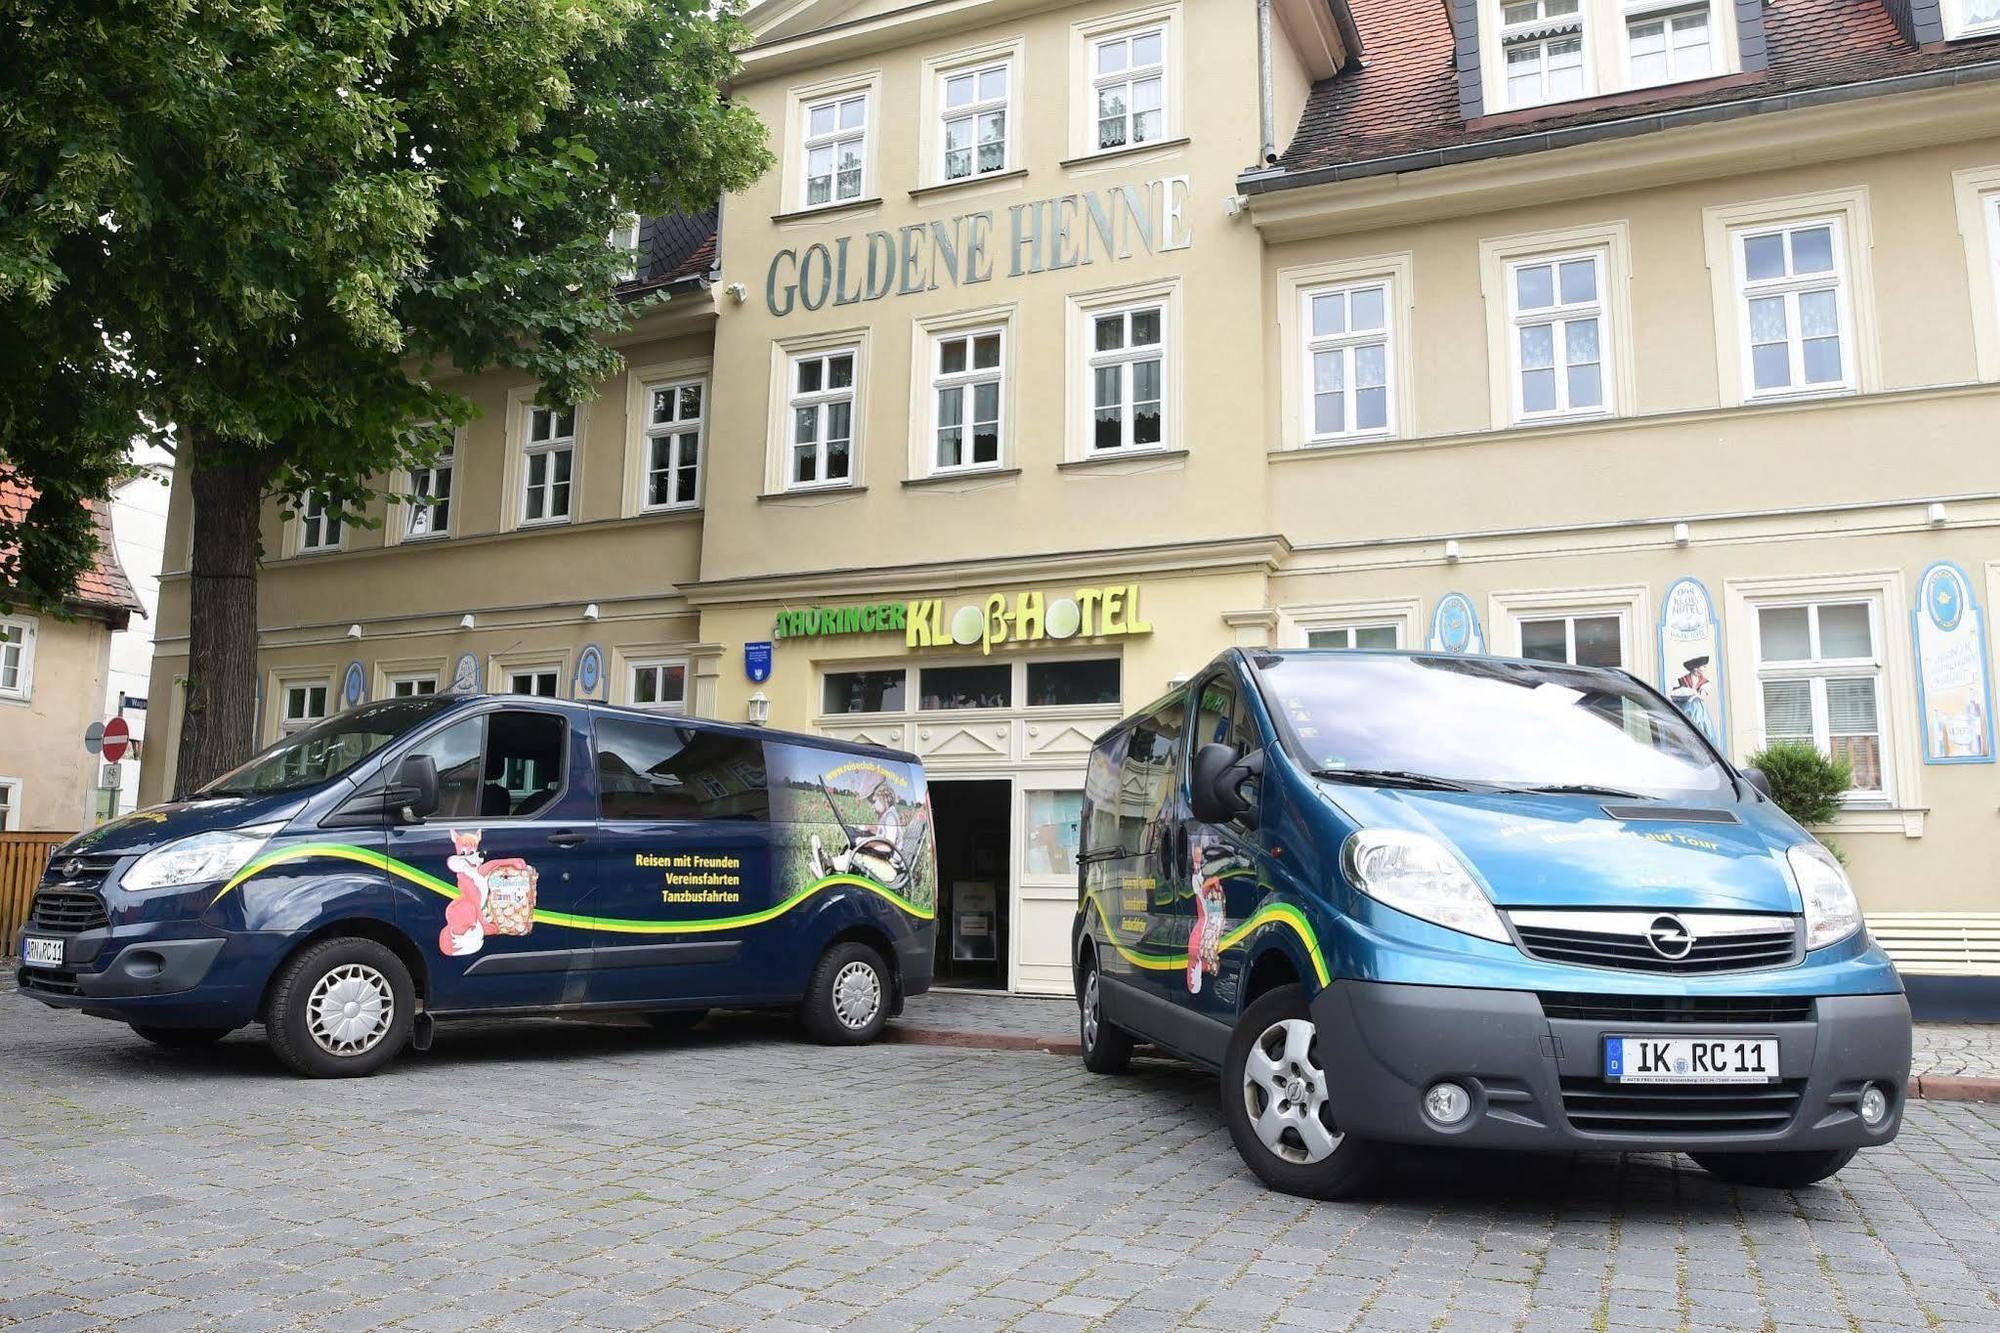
(327, 749)
(1485, 724)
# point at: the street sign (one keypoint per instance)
(757, 661)
(93, 737)
(113, 739)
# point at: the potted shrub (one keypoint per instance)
(1805, 783)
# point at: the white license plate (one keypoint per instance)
(42, 953)
(1691, 1059)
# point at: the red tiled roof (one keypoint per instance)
(1404, 98)
(102, 587)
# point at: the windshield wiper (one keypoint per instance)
(1389, 777)
(1579, 789)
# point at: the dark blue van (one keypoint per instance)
(1399, 898)
(431, 857)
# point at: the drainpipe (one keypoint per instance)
(1268, 152)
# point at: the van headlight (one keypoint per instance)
(1417, 874)
(197, 859)
(1832, 911)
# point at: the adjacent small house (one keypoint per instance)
(54, 663)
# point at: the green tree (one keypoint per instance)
(259, 231)
(1805, 783)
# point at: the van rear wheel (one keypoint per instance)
(1274, 1098)
(1107, 1048)
(341, 1009)
(1774, 1170)
(847, 1000)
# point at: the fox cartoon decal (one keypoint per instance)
(494, 897)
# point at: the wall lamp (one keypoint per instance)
(354, 631)
(466, 621)
(590, 612)
(1935, 513)
(1451, 551)
(1681, 537)
(758, 710)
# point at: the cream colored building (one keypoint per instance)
(1039, 370)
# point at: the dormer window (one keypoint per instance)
(1971, 18)
(1669, 46)
(624, 240)
(1542, 44)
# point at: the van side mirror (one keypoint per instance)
(1755, 777)
(415, 789)
(1215, 786)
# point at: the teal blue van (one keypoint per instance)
(1407, 898)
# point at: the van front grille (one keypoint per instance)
(1596, 1107)
(67, 911)
(77, 872)
(1676, 942)
(35, 979)
(1711, 1009)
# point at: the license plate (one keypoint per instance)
(42, 953)
(1691, 1059)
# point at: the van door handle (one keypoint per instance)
(567, 838)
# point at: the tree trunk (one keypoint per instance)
(219, 714)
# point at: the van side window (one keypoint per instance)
(1150, 766)
(657, 770)
(1100, 795)
(524, 763)
(1221, 719)
(456, 751)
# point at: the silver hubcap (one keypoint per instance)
(350, 1009)
(1284, 1090)
(1090, 1013)
(857, 995)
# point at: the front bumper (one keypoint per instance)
(1538, 1082)
(155, 973)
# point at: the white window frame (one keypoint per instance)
(1790, 288)
(1977, 192)
(975, 110)
(1541, 33)
(1723, 228)
(1085, 37)
(1124, 358)
(1902, 811)
(10, 809)
(1956, 25)
(1818, 671)
(1347, 344)
(1129, 76)
(965, 382)
(821, 400)
(1559, 316)
(1296, 624)
(675, 431)
(638, 664)
(1568, 619)
(514, 673)
(1395, 628)
(305, 685)
(862, 135)
(415, 680)
(316, 526)
(420, 485)
(1506, 610)
(23, 688)
(1294, 335)
(1638, 12)
(549, 448)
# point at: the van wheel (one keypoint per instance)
(341, 1009)
(181, 1039)
(1107, 1048)
(1774, 1170)
(847, 1001)
(1274, 1097)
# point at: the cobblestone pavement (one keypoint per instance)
(1970, 1050)
(548, 1174)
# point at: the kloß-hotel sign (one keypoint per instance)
(1067, 231)
(1107, 612)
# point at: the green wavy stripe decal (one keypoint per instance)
(340, 851)
(1275, 913)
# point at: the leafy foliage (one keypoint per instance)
(1805, 783)
(268, 228)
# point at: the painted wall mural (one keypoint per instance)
(1955, 695)
(1691, 658)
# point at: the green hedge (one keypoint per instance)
(1805, 783)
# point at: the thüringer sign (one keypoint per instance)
(1069, 230)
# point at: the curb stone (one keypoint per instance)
(1925, 1087)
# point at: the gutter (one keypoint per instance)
(1277, 178)
(1267, 152)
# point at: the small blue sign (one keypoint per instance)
(355, 688)
(1455, 626)
(757, 661)
(589, 673)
